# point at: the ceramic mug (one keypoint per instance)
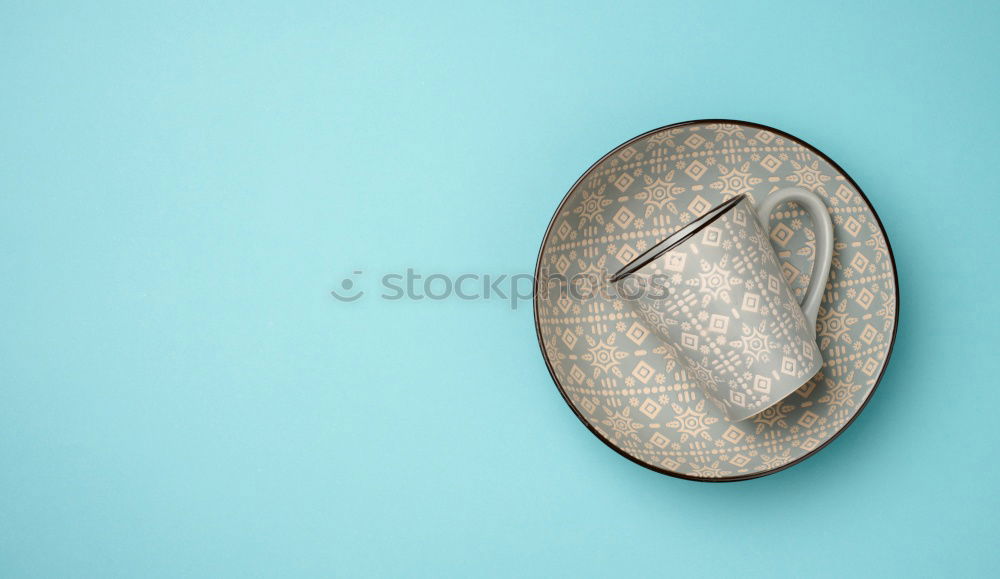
(714, 291)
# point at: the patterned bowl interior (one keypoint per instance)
(616, 374)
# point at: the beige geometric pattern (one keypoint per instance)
(625, 384)
(730, 319)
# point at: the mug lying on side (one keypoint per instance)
(714, 291)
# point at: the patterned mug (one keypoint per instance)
(714, 292)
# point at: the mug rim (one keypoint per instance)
(676, 238)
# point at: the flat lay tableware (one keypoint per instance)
(714, 291)
(628, 386)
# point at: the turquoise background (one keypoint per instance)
(181, 187)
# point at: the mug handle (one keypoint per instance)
(814, 205)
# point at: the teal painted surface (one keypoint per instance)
(181, 187)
